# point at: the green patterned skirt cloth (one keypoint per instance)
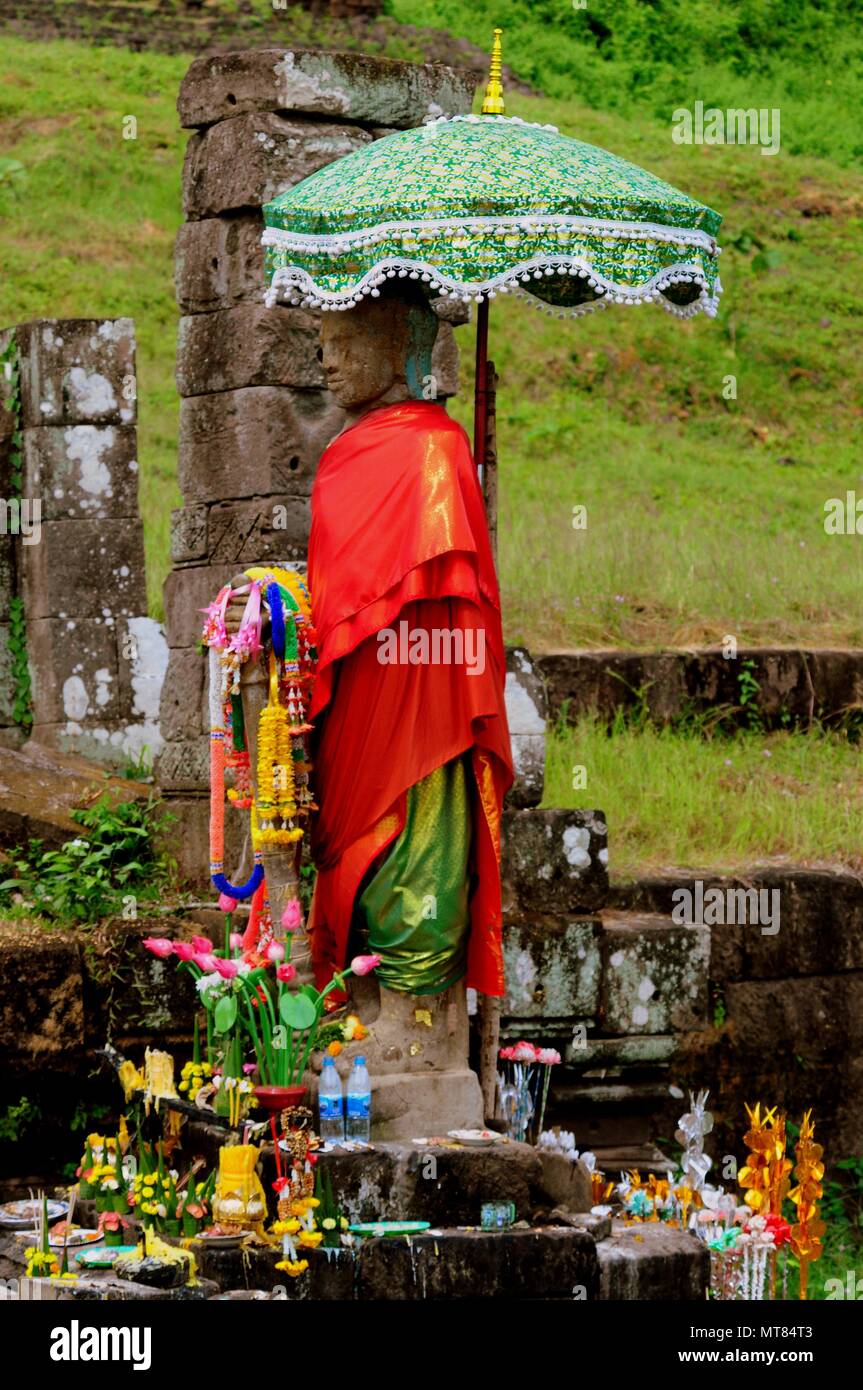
(416, 905)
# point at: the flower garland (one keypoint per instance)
(284, 797)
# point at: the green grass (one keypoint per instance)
(89, 229)
(678, 801)
(705, 515)
(648, 57)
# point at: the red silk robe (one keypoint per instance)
(399, 528)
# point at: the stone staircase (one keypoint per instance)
(641, 1008)
(611, 987)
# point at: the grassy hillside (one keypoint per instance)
(679, 800)
(646, 57)
(88, 227)
(705, 515)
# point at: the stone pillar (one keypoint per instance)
(255, 415)
(96, 662)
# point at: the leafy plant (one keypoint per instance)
(22, 695)
(749, 689)
(16, 1119)
(138, 768)
(85, 1116)
(10, 401)
(89, 876)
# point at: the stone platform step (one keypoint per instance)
(435, 1182)
(623, 1158)
(559, 1263)
(793, 685)
(612, 991)
(619, 975)
(39, 788)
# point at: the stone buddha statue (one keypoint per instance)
(410, 747)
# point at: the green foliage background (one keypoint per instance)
(654, 55)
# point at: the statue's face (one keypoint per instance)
(363, 352)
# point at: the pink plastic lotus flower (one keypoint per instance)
(160, 946)
(236, 940)
(286, 972)
(184, 950)
(227, 968)
(364, 965)
(226, 903)
(206, 961)
(202, 944)
(292, 917)
(275, 951)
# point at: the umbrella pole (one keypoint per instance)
(489, 463)
(485, 457)
(480, 399)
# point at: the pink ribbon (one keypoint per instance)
(247, 641)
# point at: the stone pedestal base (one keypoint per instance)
(416, 1054)
(413, 1105)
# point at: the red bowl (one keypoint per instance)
(277, 1098)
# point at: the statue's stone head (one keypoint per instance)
(379, 352)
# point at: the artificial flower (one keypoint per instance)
(275, 951)
(159, 945)
(310, 1239)
(202, 944)
(208, 982)
(227, 969)
(286, 972)
(334, 1048)
(549, 1056)
(184, 950)
(364, 965)
(207, 962)
(292, 917)
(293, 1267)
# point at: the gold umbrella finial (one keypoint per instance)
(493, 104)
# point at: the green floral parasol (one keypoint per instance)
(475, 206)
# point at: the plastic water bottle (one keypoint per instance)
(331, 1105)
(358, 1125)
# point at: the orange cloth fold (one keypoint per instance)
(399, 535)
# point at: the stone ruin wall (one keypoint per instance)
(72, 545)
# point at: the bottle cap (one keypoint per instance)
(359, 1061)
(329, 1061)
